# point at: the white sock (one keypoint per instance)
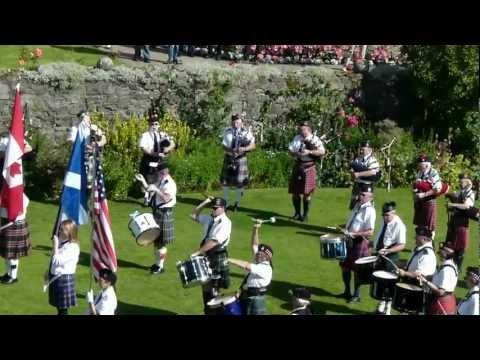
(388, 307)
(13, 269)
(162, 256)
(225, 193)
(433, 235)
(381, 306)
(239, 195)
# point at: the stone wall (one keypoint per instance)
(57, 92)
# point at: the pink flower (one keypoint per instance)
(352, 121)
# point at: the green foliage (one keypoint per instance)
(446, 77)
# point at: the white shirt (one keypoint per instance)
(147, 140)
(370, 162)
(362, 217)
(298, 141)
(470, 306)
(242, 133)
(395, 234)
(65, 262)
(468, 195)
(260, 275)
(106, 302)
(446, 278)
(167, 186)
(432, 176)
(220, 231)
(84, 130)
(424, 261)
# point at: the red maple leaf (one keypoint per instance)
(15, 169)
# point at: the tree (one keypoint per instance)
(446, 79)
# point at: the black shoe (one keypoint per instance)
(4, 276)
(304, 218)
(155, 269)
(235, 208)
(297, 217)
(8, 280)
(354, 299)
(344, 295)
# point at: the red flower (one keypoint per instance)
(352, 121)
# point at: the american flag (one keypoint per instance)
(103, 250)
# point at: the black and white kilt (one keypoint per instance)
(238, 177)
(61, 292)
(15, 240)
(165, 220)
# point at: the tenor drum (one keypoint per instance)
(333, 246)
(364, 268)
(194, 271)
(144, 228)
(225, 305)
(408, 298)
(383, 285)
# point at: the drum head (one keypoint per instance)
(366, 260)
(216, 302)
(148, 237)
(384, 275)
(410, 287)
(331, 238)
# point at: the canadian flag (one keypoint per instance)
(12, 198)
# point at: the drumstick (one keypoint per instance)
(390, 261)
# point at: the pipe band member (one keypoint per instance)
(359, 228)
(237, 142)
(470, 305)
(300, 301)
(156, 145)
(390, 241)
(457, 232)
(163, 198)
(305, 148)
(365, 169)
(216, 237)
(105, 303)
(260, 271)
(441, 300)
(425, 205)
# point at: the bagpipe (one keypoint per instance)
(424, 186)
(471, 213)
(357, 166)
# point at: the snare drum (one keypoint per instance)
(144, 228)
(225, 305)
(408, 298)
(383, 285)
(194, 271)
(333, 247)
(364, 268)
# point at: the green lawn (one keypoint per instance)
(296, 261)
(84, 55)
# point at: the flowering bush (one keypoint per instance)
(29, 57)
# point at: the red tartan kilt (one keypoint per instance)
(354, 253)
(445, 305)
(15, 241)
(459, 237)
(303, 181)
(425, 214)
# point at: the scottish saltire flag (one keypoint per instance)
(103, 250)
(74, 195)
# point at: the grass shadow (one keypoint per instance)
(134, 309)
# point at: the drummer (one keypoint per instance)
(300, 301)
(163, 197)
(443, 284)
(390, 241)
(359, 228)
(423, 261)
(217, 228)
(254, 286)
(470, 305)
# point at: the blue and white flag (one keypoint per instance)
(74, 196)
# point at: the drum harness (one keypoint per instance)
(155, 207)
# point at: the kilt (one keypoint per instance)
(459, 236)
(220, 269)
(61, 292)
(445, 305)
(303, 180)
(15, 240)
(254, 305)
(234, 177)
(425, 214)
(165, 220)
(357, 250)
